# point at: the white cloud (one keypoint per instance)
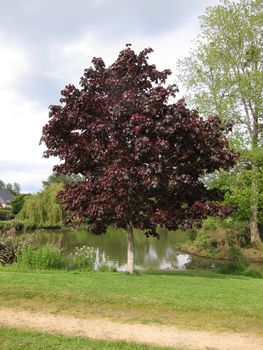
(14, 64)
(68, 61)
(28, 175)
(21, 127)
(21, 120)
(42, 50)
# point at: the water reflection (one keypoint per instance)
(111, 248)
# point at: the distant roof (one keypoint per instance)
(5, 197)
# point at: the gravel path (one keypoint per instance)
(149, 334)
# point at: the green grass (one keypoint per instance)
(11, 339)
(193, 300)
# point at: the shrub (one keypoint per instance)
(104, 267)
(6, 214)
(217, 235)
(254, 271)
(237, 261)
(201, 239)
(6, 225)
(17, 203)
(82, 259)
(9, 251)
(41, 258)
(47, 257)
(11, 225)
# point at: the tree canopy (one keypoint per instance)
(141, 155)
(56, 179)
(17, 203)
(223, 75)
(43, 208)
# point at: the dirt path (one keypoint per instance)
(148, 334)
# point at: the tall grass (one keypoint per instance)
(41, 258)
(82, 259)
(47, 257)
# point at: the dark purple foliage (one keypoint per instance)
(141, 155)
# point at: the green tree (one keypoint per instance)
(9, 187)
(43, 208)
(237, 187)
(14, 189)
(56, 178)
(223, 75)
(2, 185)
(17, 203)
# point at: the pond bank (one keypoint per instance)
(172, 251)
(199, 255)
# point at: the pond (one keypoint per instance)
(111, 248)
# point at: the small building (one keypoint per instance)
(5, 199)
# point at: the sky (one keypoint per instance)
(47, 44)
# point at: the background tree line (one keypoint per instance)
(223, 76)
(43, 208)
(12, 188)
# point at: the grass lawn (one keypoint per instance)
(193, 300)
(11, 339)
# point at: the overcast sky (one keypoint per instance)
(46, 44)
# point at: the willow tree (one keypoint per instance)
(224, 75)
(140, 154)
(43, 208)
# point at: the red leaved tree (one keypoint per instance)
(141, 156)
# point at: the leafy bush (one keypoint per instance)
(15, 225)
(41, 258)
(243, 269)
(47, 257)
(6, 225)
(220, 235)
(17, 203)
(6, 214)
(201, 239)
(82, 258)
(254, 271)
(237, 261)
(106, 268)
(9, 251)
(26, 225)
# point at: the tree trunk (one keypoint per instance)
(254, 229)
(130, 251)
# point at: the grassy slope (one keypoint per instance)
(195, 300)
(11, 339)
